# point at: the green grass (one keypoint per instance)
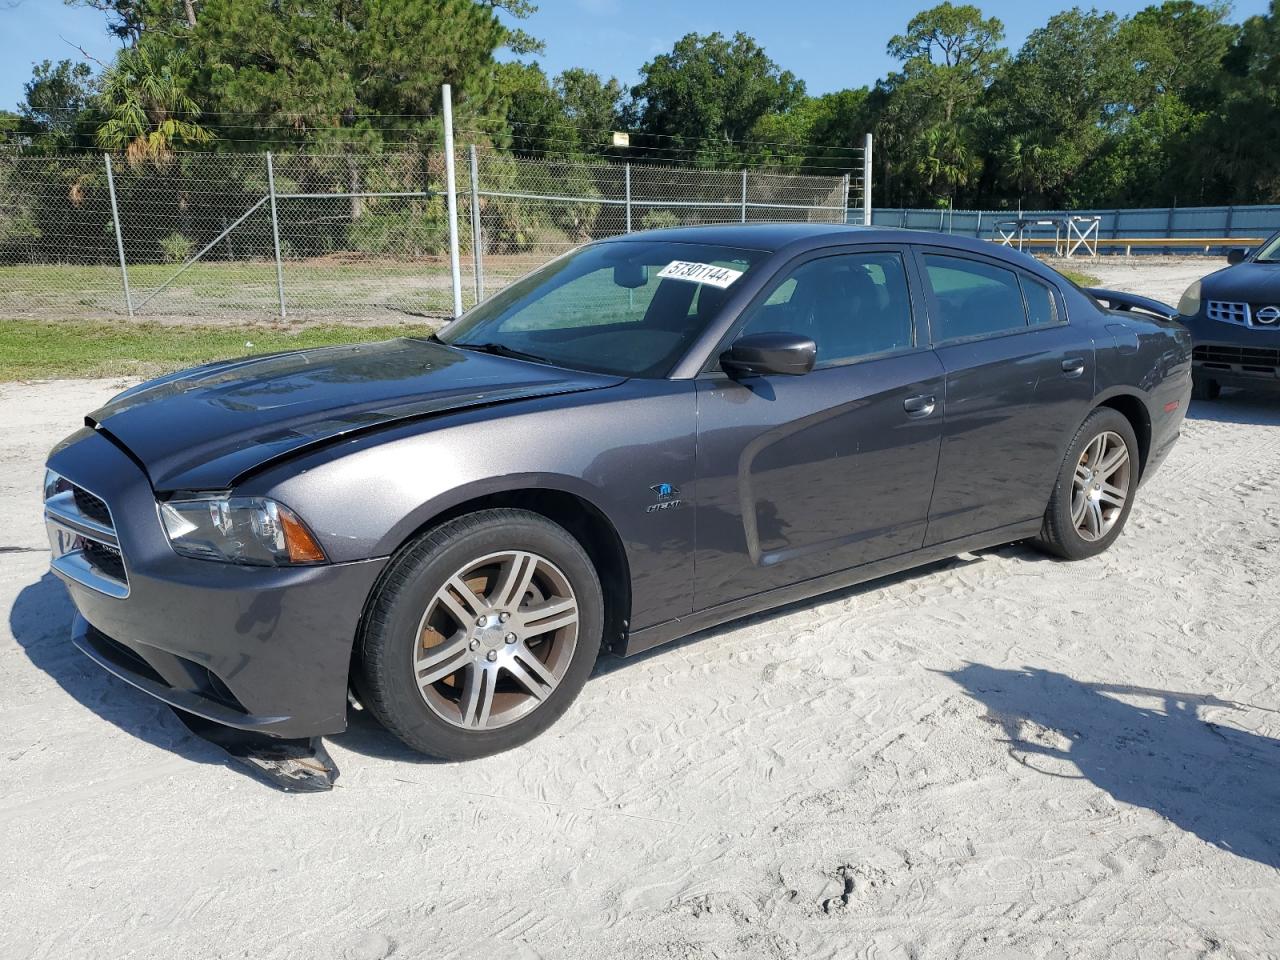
(228, 289)
(1080, 279)
(39, 349)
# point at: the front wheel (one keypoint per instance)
(1094, 491)
(1205, 389)
(481, 634)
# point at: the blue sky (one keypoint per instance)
(830, 44)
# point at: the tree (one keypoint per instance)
(531, 108)
(927, 115)
(944, 160)
(1237, 161)
(1053, 107)
(590, 105)
(950, 53)
(359, 72)
(709, 93)
(1176, 47)
(817, 135)
(55, 98)
(149, 111)
(128, 20)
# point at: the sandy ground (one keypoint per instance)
(1000, 756)
(1163, 278)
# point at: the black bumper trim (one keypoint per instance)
(111, 660)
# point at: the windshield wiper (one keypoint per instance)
(501, 350)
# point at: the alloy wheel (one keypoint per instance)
(496, 640)
(1100, 488)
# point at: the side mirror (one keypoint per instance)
(1236, 255)
(761, 354)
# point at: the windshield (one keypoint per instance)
(1270, 252)
(629, 308)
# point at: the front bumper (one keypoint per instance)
(257, 648)
(1234, 355)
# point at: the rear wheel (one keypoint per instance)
(1205, 389)
(1094, 491)
(481, 634)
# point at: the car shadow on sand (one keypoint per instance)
(1220, 783)
(40, 622)
(1239, 406)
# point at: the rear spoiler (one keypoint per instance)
(1125, 302)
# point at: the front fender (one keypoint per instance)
(365, 497)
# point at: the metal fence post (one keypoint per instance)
(627, 181)
(845, 218)
(744, 194)
(455, 267)
(866, 179)
(275, 232)
(477, 250)
(115, 217)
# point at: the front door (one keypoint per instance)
(803, 476)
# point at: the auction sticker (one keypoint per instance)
(700, 273)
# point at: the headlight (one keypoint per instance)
(251, 530)
(1189, 305)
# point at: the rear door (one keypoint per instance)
(802, 476)
(1019, 381)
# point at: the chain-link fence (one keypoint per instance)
(346, 236)
(530, 211)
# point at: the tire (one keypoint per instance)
(1086, 532)
(1204, 389)
(521, 571)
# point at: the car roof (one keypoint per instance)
(775, 237)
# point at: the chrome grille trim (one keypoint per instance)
(1228, 311)
(1241, 314)
(69, 527)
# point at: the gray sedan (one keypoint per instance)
(649, 436)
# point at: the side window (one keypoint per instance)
(850, 305)
(973, 298)
(1042, 304)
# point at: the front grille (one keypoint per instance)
(1228, 311)
(1265, 316)
(105, 559)
(1246, 359)
(91, 505)
(83, 541)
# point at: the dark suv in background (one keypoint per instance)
(1234, 316)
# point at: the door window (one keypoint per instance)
(851, 306)
(973, 298)
(1042, 305)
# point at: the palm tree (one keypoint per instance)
(1022, 160)
(944, 161)
(146, 102)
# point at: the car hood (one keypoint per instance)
(202, 429)
(1245, 283)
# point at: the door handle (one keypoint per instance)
(1073, 366)
(921, 405)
